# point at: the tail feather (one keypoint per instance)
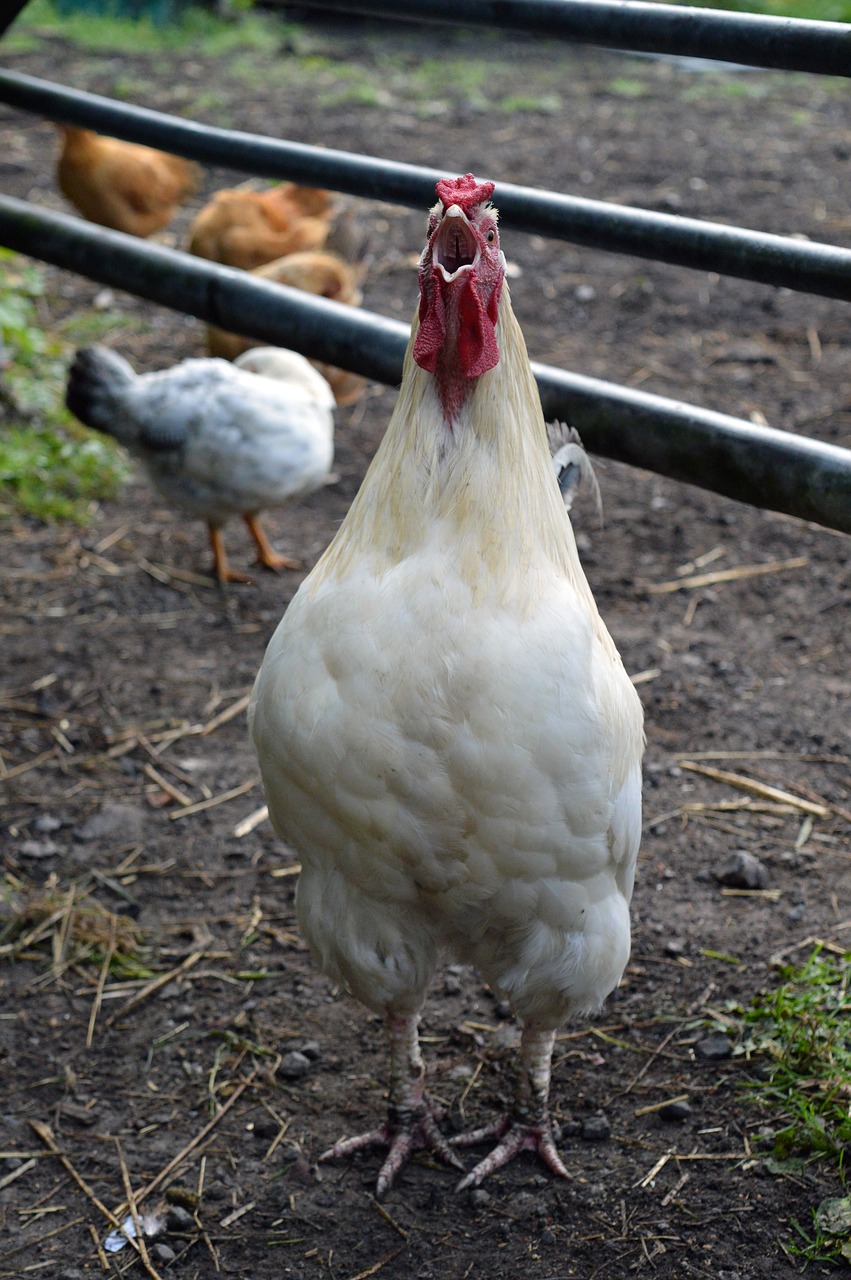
(572, 465)
(98, 381)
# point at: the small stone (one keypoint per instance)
(525, 1205)
(36, 849)
(120, 821)
(265, 1128)
(479, 1197)
(742, 871)
(71, 1273)
(311, 1050)
(293, 1065)
(547, 1236)
(596, 1129)
(451, 985)
(674, 947)
(713, 1048)
(179, 1219)
(675, 1112)
(163, 1252)
(585, 293)
(796, 913)
(45, 824)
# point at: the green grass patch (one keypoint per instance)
(166, 28)
(801, 1034)
(819, 10)
(51, 467)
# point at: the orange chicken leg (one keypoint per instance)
(266, 553)
(221, 566)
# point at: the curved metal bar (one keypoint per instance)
(806, 266)
(758, 465)
(787, 44)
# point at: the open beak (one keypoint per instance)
(454, 247)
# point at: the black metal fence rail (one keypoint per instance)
(750, 255)
(785, 44)
(758, 465)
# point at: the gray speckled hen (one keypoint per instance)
(216, 439)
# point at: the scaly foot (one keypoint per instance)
(528, 1128)
(412, 1118)
(515, 1136)
(403, 1135)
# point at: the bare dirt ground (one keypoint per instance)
(126, 669)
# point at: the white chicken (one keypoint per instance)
(216, 439)
(445, 729)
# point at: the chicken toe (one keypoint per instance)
(412, 1122)
(266, 554)
(528, 1128)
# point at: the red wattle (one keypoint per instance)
(431, 335)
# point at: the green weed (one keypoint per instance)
(50, 466)
(820, 10)
(174, 28)
(800, 1031)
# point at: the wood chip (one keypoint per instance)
(153, 987)
(235, 709)
(744, 783)
(644, 677)
(770, 895)
(168, 574)
(17, 1173)
(168, 787)
(657, 1106)
(657, 1168)
(735, 574)
(18, 769)
(237, 1214)
(253, 820)
(281, 873)
(215, 800)
(102, 976)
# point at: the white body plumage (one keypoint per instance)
(446, 732)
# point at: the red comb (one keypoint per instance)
(465, 192)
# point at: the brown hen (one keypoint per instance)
(246, 229)
(122, 185)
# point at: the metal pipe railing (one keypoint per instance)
(758, 465)
(786, 44)
(9, 12)
(749, 255)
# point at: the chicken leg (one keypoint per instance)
(266, 553)
(412, 1118)
(528, 1128)
(221, 564)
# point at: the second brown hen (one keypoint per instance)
(246, 229)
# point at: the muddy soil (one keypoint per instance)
(130, 797)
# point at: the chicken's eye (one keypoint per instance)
(491, 236)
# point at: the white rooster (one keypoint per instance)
(216, 439)
(446, 732)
